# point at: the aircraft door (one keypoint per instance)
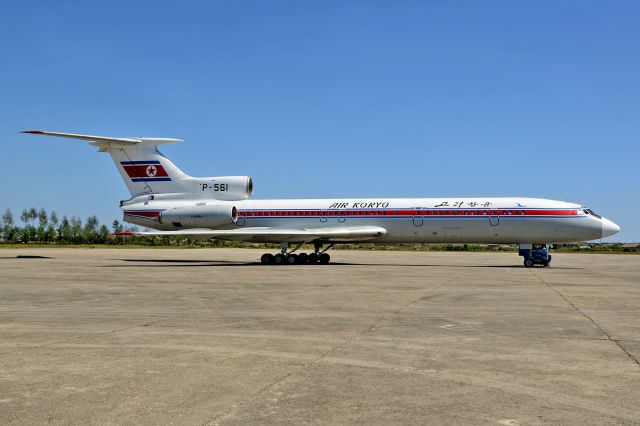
(417, 217)
(494, 218)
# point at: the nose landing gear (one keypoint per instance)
(289, 258)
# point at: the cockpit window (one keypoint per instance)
(589, 211)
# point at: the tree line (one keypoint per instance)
(38, 226)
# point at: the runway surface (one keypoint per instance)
(195, 336)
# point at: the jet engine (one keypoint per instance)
(204, 216)
(227, 188)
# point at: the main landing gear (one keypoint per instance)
(290, 258)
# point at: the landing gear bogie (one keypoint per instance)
(286, 257)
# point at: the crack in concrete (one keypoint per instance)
(214, 421)
(71, 339)
(584, 314)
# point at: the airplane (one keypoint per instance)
(173, 203)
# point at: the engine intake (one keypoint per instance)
(207, 216)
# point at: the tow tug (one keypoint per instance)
(535, 254)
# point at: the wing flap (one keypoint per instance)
(267, 234)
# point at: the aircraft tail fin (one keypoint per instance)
(143, 168)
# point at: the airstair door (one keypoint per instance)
(494, 219)
(417, 217)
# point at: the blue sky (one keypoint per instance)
(328, 99)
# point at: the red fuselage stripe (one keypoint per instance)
(383, 213)
(421, 212)
(142, 213)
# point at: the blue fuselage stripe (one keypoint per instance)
(160, 179)
(131, 163)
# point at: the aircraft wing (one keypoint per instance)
(276, 235)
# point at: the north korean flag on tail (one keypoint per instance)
(145, 171)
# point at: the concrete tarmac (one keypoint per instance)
(208, 337)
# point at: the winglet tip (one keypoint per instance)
(33, 132)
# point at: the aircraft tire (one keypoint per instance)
(303, 258)
(292, 259)
(313, 258)
(266, 259)
(325, 258)
(279, 259)
(528, 263)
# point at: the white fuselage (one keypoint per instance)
(407, 220)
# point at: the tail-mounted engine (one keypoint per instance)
(227, 188)
(204, 216)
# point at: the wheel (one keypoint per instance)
(313, 258)
(303, 258)
(325, 258)
(528, 263)
(546, 264)
(266, 259)
(279, 259)
(292, 259)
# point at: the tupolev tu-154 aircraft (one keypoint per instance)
(173, 203)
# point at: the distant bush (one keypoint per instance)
(49, 229)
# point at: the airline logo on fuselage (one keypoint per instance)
(145, 171)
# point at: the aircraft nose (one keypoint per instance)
(609, 228)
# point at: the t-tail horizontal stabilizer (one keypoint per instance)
(142, 167)
(104, 139)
